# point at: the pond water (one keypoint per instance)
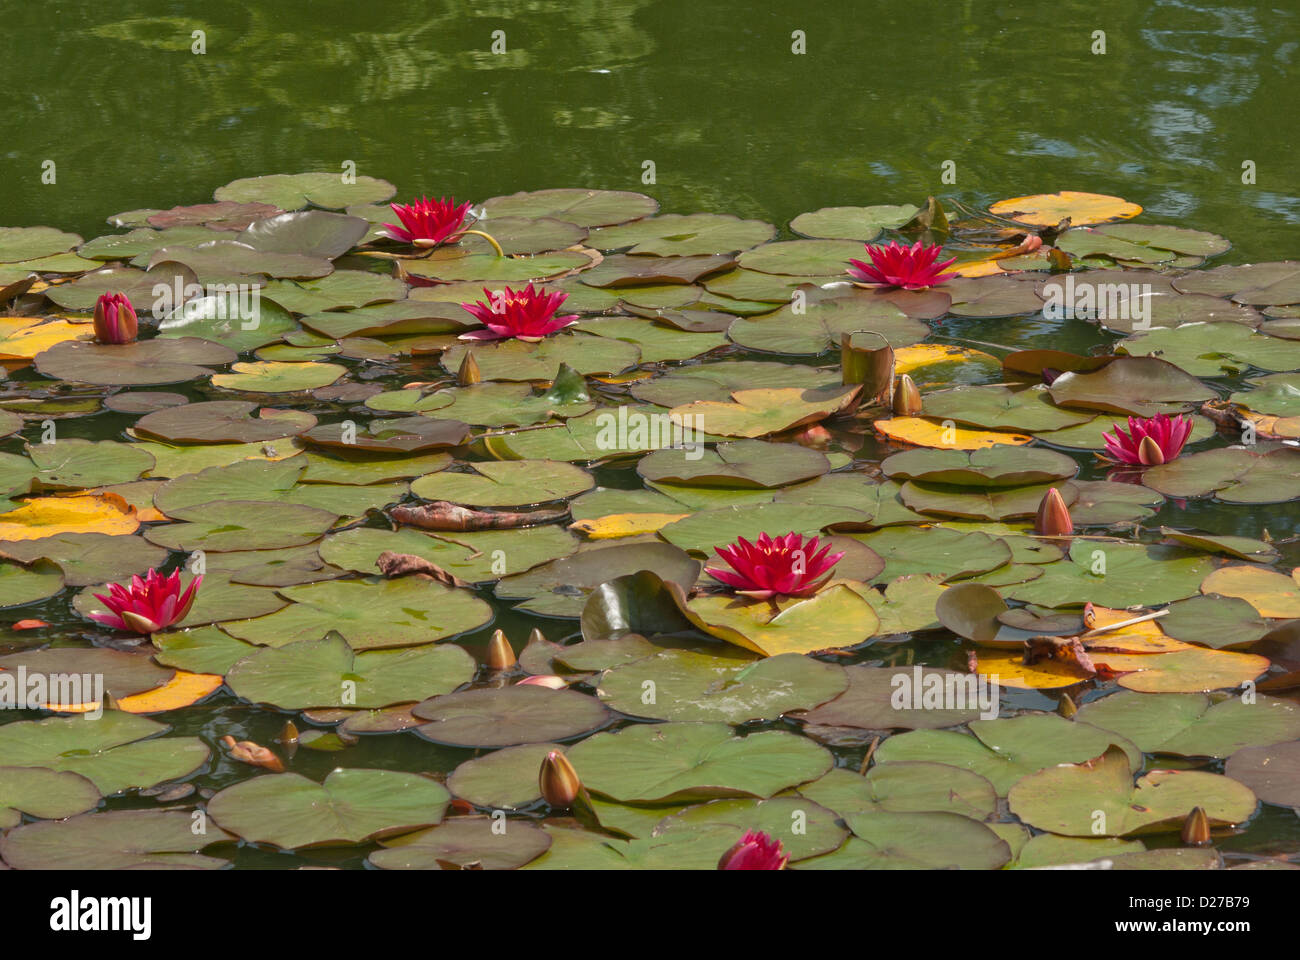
(585, 95)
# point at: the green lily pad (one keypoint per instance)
(27, 582)
(687, 761)
(509, 716)
(316, 674)
(686, 686)
(1192, 724)
(1007, 750)
(505, 484)
(915, 841)
(948, 554)
(1232, 474)
(1254, 283)
(1001, 408)
(503, 779)
(997, 466)
(200, 650)
(1142, 386)
(73, 464)
(1100, 799)
(676, 235)
(744, 463)
(241, 525)
(121, 674)
(465, 841)
(298, 190)
(517, 360)
(350, 806)
(1216, 622)
(114, 840)
(1242, 548)
(44, 794)
(221, 421)
(368, 615)
(28, 243)
(1215, 349)
(822, 323)
(1272, 772)
(84, 558)
(560, 587)
(115, 752)
(1117, 575)
(477, 556)
(894, 698)
(586, 208)
(905, 788)
(147, 362)
(707, 529)
(853, 223)
(406, 434)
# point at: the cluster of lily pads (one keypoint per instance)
(553, 408)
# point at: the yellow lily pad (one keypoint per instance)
(1049, 209)
(1272, 593)
(923, 432)
(90, 513)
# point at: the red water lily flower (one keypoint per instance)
(147, 605)
(115, 319)
(1150, 440)
(775, 566)
(526, 314)
(754, 851)
(897, 265)
(427, 222)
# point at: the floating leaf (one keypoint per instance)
(686, 761)
(115, 840)
(1100, 798)
(350, 806)
(315, 674)
(509, 716)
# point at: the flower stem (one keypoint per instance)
(486, 236)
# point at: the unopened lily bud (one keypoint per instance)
(558, 780)
(548, 680)
(500, 655)
(907, 398)
(1066, 707)
(115, 319)
(1053, 518)
(1196, 828)
(469, 373)
(536, 636)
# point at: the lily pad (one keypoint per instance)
(316, 674)
(687, 686)
(1100, 799)
(44, 794)
(509, 716)
(114, 840)
(116, 751)
(350, 806)
(470, 842)
(391, 613)
(1007, 750)
(1191, 724)
(687, 761)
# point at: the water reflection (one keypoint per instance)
(586, 91)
